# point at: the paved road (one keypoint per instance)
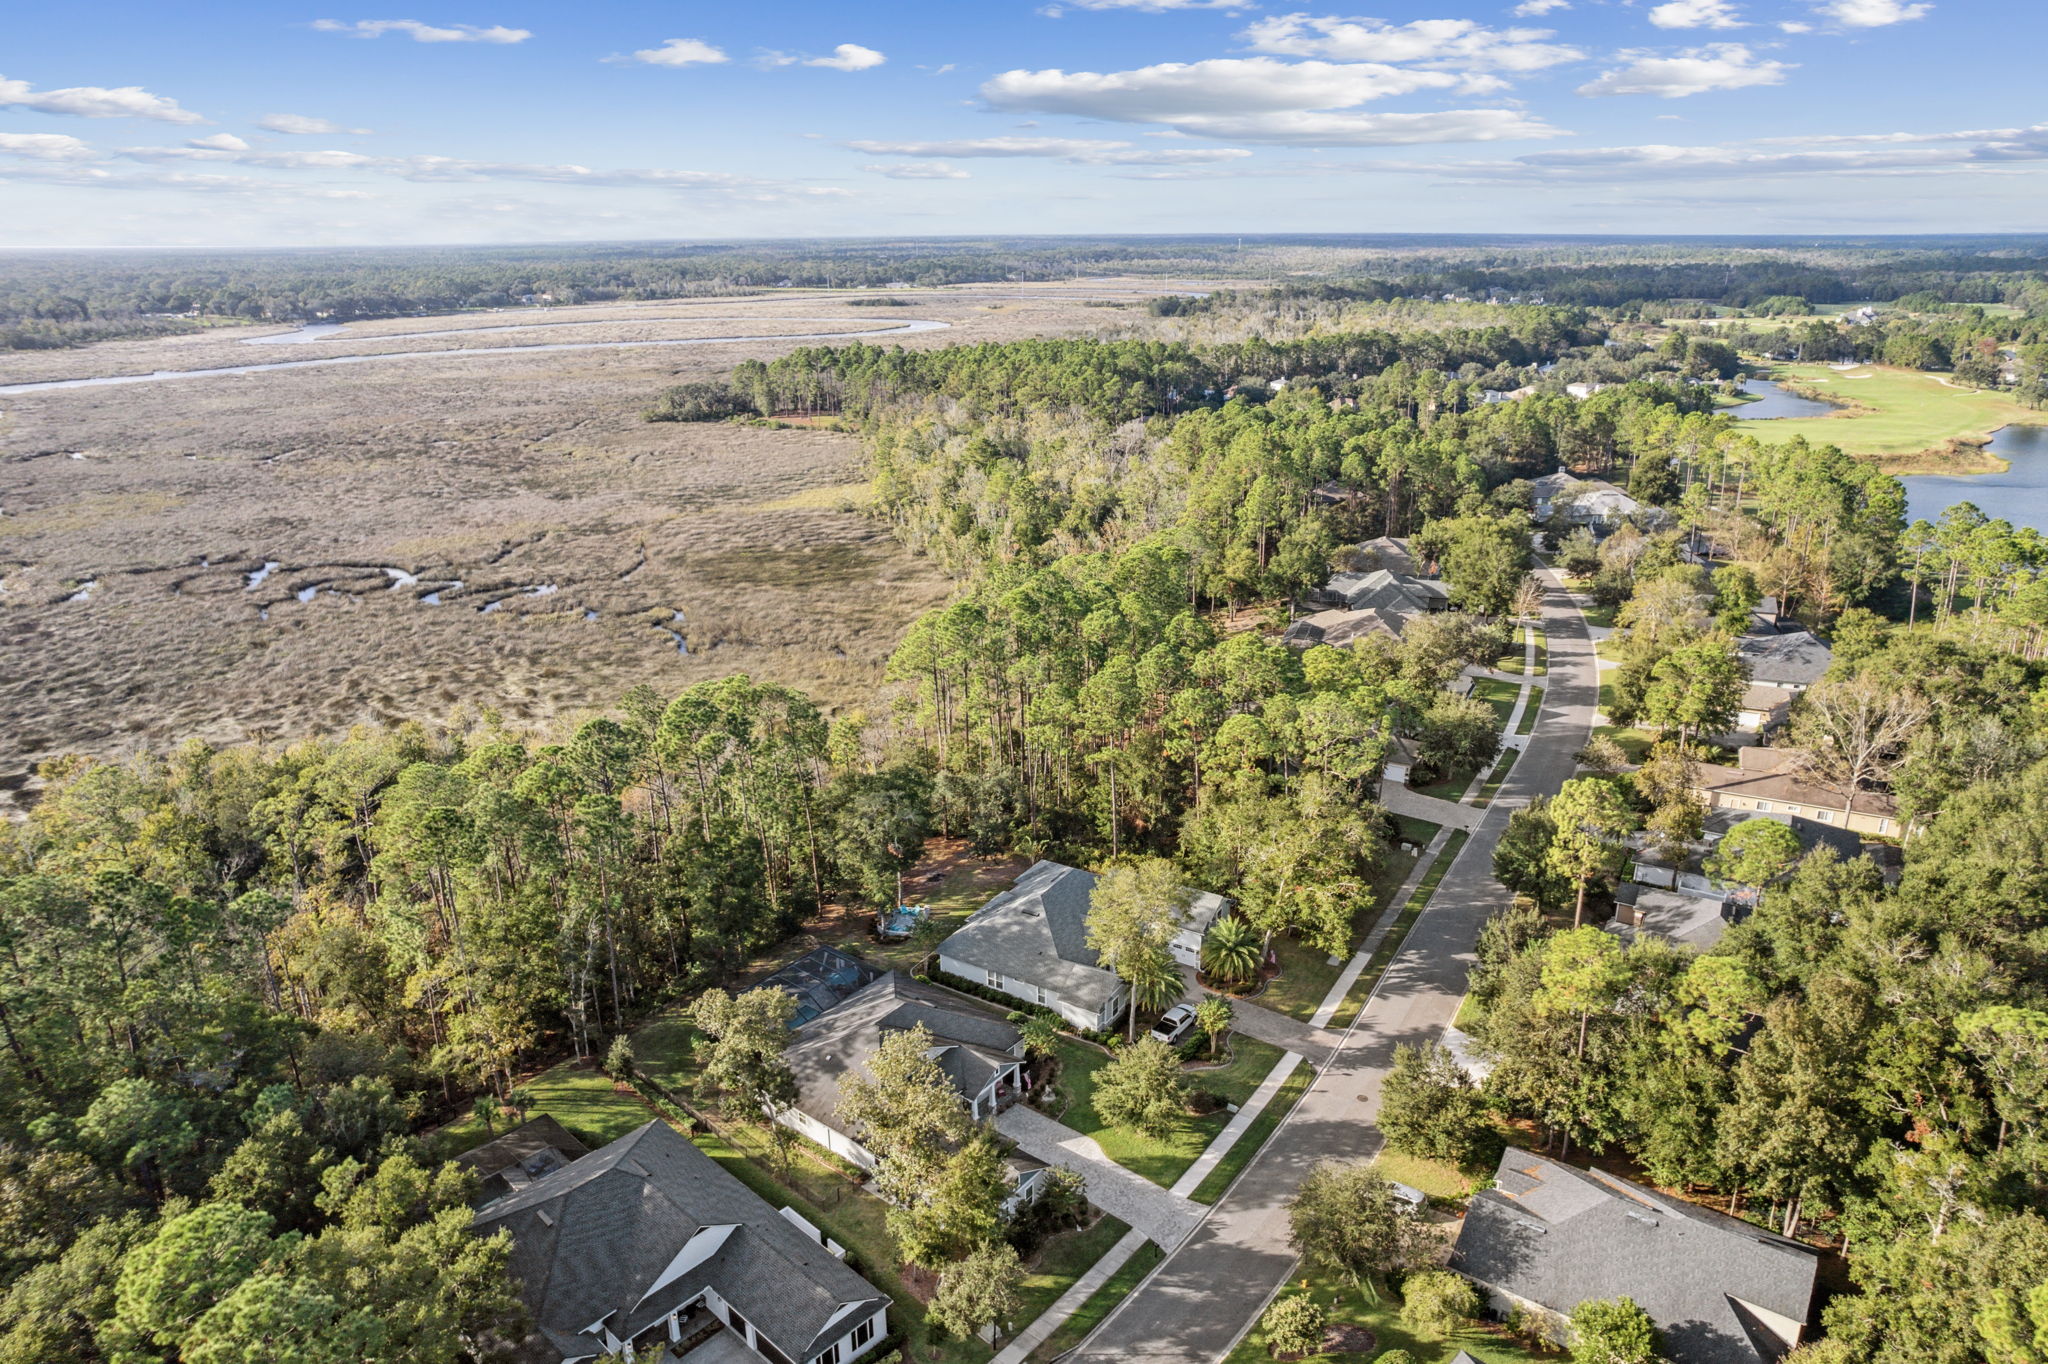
(1206, 1293)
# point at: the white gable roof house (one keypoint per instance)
(1031, 943)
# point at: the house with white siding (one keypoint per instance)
(648, 1247)
(1031, 943)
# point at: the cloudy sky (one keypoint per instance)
(240, 123)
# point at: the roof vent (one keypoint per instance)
(545, 1219)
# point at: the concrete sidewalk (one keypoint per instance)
(1355, 968)
(1069, 1302)
(1212, 1156)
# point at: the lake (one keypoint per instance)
(2019, 495)
(1773, 401)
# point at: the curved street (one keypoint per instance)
(1204, 1296)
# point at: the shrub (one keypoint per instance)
(618, 1059)
(1437, 1304)
(1294, 1325)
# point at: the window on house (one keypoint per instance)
(994, 978)
(1824, 816)
(1763, 805)
(862, 1334)
(1044, 995)
(736, 1321)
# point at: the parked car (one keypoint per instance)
(1175, 1024)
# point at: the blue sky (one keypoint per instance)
(267, 124)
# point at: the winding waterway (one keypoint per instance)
(1773, 401)
(328, 332)
(2019, 495)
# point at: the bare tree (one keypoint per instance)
(1854, 733)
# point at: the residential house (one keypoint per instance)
(1031, 943)
(1583, 391)
(1770, 781)
(1547, 1237)
(649, 1245)
(1340, 628)
(1589, 502)
(1787, 662)
(981, 1054)
(534, 1149)
(1401, 756)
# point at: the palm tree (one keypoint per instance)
(1230, 954)
(1155, 982)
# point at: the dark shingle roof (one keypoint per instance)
(1797, 659)
(1558, 1236)
(537, 1147)
(840, 1041)
(593, 1242)
(1037, 930)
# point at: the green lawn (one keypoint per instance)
(1497, 776)
(578, 1095)
(1063, 1261)
(967, 887)
(1898, 411)
(1307, 975)
(1451, 787)
(1348, 1306)
(1160, 1159)
(1237, 1157)
(1089, 1315)
(1384, 953)
(1498, 694)
(1529, 712)
(1437, 1178)
(1600, 617)
(1416, 831)
(1515, 660)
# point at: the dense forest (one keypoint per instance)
(75, 298)
(240, 981)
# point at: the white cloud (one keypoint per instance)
(298, 125)
(1458, 44)
(1533, 9)
(1696, 14)
(1794, 26)
(46, 147)
(849, 57)
(219, 142)
(1173, 91)
(1259, 99)
(424, 33)
(1322, 128)
(1872, 13)
(93, 101)
(1989, 151)
(919, 170)
(678, 52)
(1717, 66)
(1077, 150)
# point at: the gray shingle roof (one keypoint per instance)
(1037, 931)
(1798, 658)
(830, 1046)
(1340, 628)
(537, 1147)
(591, 1240)
(1558, 1236)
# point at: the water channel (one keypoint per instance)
(2019, 495)
(1773, 401)
(326, 332)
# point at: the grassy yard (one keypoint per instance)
(1237, 1157)
(1498, 694)
(1307, 975)
(1384, 953)
(1896, 412)
(1160, 1159)
(1347, 1306)
(1437, 1178)
(1451, 787)
(578, 1095)
(1063, 1261)
(968, 883)
(1529, 712)
(1597, 616)
(1496, 777)
(1100, 1303)
(1515, 660)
